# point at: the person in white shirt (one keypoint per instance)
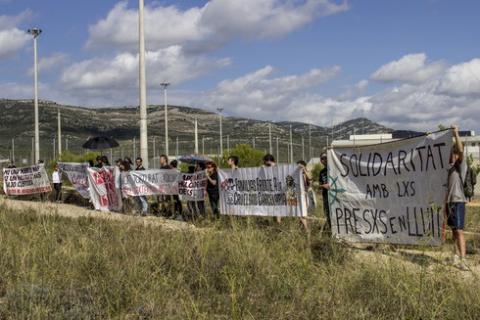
(57, 183)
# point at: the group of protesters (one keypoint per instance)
(171, 205)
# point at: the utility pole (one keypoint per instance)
(176, 149)
(221, 129)
(277, 155)
(228, 142)
(33, 151)
(270, 147)
(303, 148)
(154, 152)
(253, 142)
(35, 32)
(196, 135)
(59, 132)
(66, 143)
(54, 151)
(310, 141)
(291, 145)
(203, 145)
(134, 149)
(13, 150)
(143, 86)
(165, 85)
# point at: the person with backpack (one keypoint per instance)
(456, 199)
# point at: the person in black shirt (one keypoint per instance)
(141, 200)
(325, 186)
(212, 187)
(177, 204)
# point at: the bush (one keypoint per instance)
(248, 157)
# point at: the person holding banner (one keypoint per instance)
(141, 200)
(325, 186)
(456, 199)
(233, 162)
(212, 187)
(176, 198)
(57, 183)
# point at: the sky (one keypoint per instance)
(407, 64)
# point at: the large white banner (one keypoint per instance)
(191, 186)
(392, 192)
(150, 182)
(103, 194)
(26, 180)
(77, 174)
(264, 191)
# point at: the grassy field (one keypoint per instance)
(59, 268)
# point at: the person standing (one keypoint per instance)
(325, 186)
(456, 199)
(165, 204)
(176, 198)
(307, 182)
(212, 187)
(57, 183)
(233, 162)
(269, 161)
(141, 200)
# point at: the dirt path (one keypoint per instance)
(71, 211)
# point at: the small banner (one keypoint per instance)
(150, 182)
(191, 186)
(77, 175)
(263, 191)
(103, 194)
(392, 192)
(26, 180)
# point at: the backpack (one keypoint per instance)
(469, 183)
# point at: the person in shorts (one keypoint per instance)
(456, 199)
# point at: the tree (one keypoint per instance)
(248, 157)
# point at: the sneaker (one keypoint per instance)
(461, 265)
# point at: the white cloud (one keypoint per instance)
(10, 22)
(50, 63)
(203, 28)
(12, 39)
(258, 94)
(412, 68)
(122, 71)
(462, 79)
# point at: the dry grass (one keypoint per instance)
(54, 267)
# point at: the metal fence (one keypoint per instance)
(20, 149)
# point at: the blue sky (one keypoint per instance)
(407, 64)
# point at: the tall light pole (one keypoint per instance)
(35, 32)
(221, 131)
(165, 85)
(143, 86)
(59, 127)
(270, 147)
(310, 141)
(196, 136)
(291, 145)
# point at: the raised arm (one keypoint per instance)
(458, 142)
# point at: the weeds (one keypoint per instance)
(59, 268)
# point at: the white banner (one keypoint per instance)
(103, 194)
(264, 191)
(26, 180)
(392, 192)
(191, 186)
(149, 182)
(77, 174)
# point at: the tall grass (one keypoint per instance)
(58, 268)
